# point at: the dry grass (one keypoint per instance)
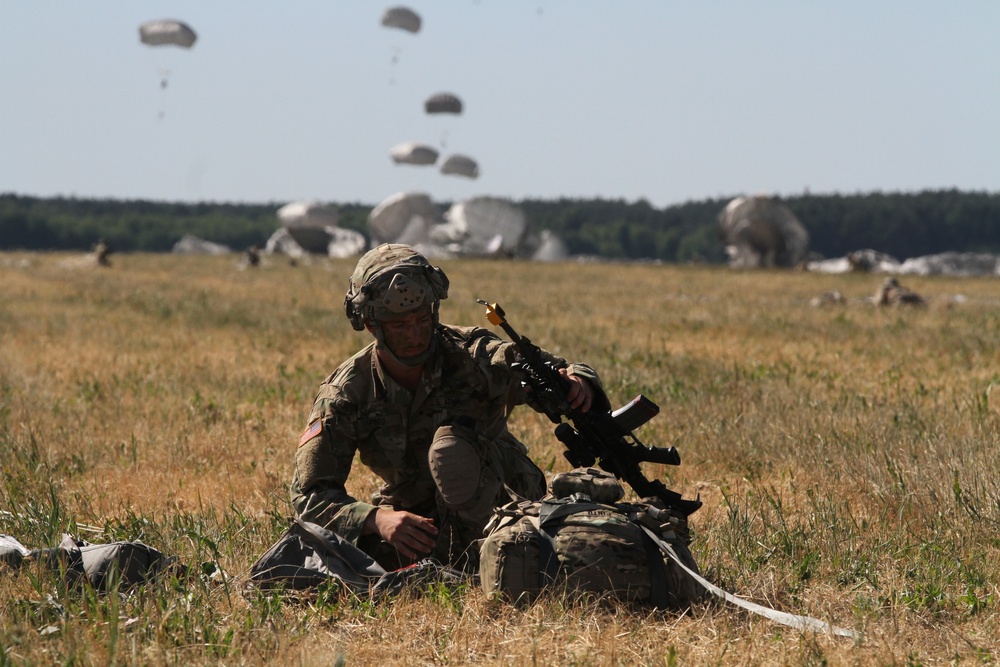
(847, 457)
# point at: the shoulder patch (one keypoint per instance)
(311, 432)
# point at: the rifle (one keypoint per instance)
(598, 435)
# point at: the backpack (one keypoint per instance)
(581, 540)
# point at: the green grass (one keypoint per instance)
(847, 458)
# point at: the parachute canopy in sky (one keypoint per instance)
(460, 165)
(403, 18)
(413, 152)
(443, 103)
(165, 32)
(760, 231)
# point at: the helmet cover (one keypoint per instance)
(390, 281)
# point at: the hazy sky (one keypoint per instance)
(666, 100)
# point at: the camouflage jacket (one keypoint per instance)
(361, 410)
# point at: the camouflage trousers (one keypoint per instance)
(472, 477)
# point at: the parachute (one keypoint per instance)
(313, 227)
(443, 103)
(483, 226)
(460, 165)
(760, 231)
(403, 18)
(165, 32)
(550, 248)
(405, 217)
(413, 153)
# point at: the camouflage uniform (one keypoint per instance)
(467, 388)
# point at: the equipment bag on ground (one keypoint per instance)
(581, 540)
(308, 555)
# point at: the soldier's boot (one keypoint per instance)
(469, 485)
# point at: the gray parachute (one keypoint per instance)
(460, 165)
(443, 103)
(413, 152)
(166, 32)
(402, 18)
(760, 231)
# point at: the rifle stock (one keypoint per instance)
(599, 435)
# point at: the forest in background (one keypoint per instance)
(900, 224)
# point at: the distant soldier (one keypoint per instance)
(891, 293)
(253, 255)
(101, 253)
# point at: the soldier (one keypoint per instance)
(426, 407)
(101, 253)
(891, 293)
(253, 255)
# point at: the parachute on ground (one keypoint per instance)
(550, 248)
(460, 165)
(192, 245)
(313, 227)
(306, 222)
(165, 32)
(405, 217)
(486, 226)
(443, 103)
(403, 18)
(760, 231)
(413, 152)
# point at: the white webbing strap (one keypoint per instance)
(791, 620)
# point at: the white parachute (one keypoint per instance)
(192, 245)
(485, 226)
(460, 165)
(164, 32)
(413, 152)
(402, 18)
(313, 227)
(405, 217)
(760, 231)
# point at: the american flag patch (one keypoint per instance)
(311, 432)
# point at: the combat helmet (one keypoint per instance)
(393, 280)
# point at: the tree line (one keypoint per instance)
(900, 224)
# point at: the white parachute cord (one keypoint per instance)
(784, 618)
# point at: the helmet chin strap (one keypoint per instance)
(408, 361)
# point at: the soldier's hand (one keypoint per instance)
(579, 393)
(412, 535)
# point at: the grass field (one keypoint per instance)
(847, 457)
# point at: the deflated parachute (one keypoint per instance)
(405, 217)
(309, 224)
(460, 165)
(483, 226)
(165, 32)
(760, 231)
(402, 18)
(443, 103)
(413, 152)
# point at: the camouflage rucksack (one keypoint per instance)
(581, 540)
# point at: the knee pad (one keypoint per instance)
(458, 469)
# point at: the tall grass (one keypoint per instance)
(847, 458)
